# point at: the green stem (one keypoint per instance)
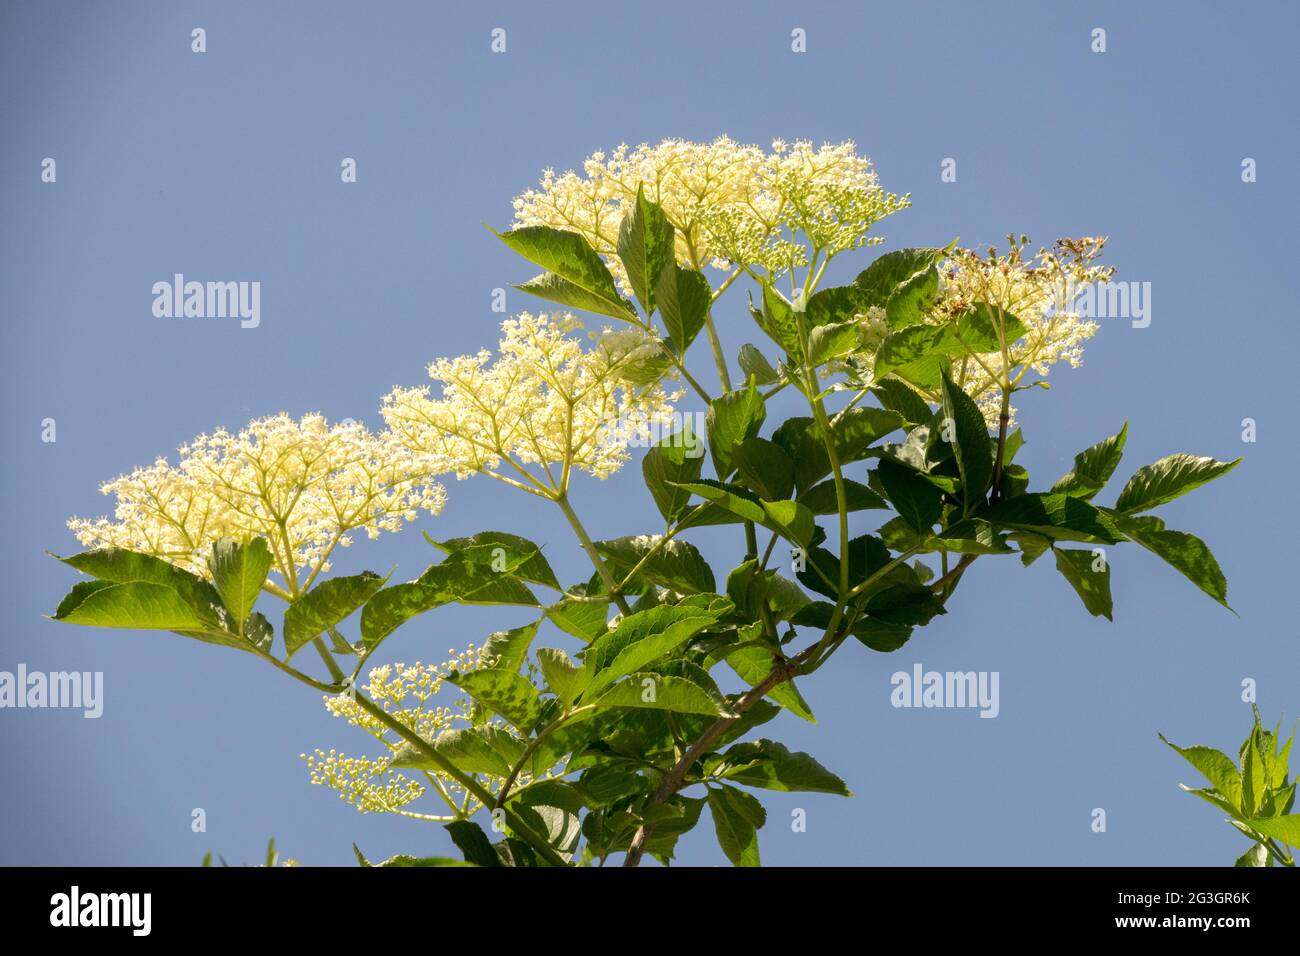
(719, 359)
(336, 672)
(469, 783)
(589, 546)
(533, 744)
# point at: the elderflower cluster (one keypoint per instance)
(369, 785)
(826, 198)
(1040, 291)
(304, 485)
(406, 692)
(731, 204)
(544, 401)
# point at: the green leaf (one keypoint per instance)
(913, 352)
(764, 468)
(734, 813)
(473, 843)
(971, 447)
(1055, 516)
(753, 591)
(405, 860)
(1015, 481)
(972, 536)
(1167, 479)
(585, 620)
(121, 566)
(565, 679)
(1281, 762)
(1093, 467)
(1216, 767)
(853, 434)
(839, 304)
(789, 519)
(641, 639)
(550, 808)
(684, 298)
(753, 664)
(777, 319)
(505, 553)
(867, 555)
(259, 633)
(557, 289)
(79, 592)
(1093, 587)
(133, 604)
(882, 636)
(465, 581)
(677, 458)
(325, 606)
(485, 749)
(822, 500)
(731, 419)
(917, 502)
(1254, 777)
(677, 816)
(1212, 797)
(239, 570)
(1016, 441)
(904, 604)
(979, 326)
(509, 648)
(904, 283)
(899, 397)
(756, 366)
(770, 765)
(502, 691)
(1186, 553)
(1284, 828)
(661, 692)
(828, 342)
(646, 246)
(677, 564)
(604, 786)
(571, 258)
(1257, 855)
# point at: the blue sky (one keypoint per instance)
(225, 165)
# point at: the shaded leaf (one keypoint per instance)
(1092, 586)
(770, 765)
(1186, 553)
(239, 570)
(646, 246)
(684, 298)
(737, 835)
(1093, 467)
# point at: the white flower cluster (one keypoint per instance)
(303, 485)
(1038, 290)
(544, 402)
(406, 693)
(731, 204)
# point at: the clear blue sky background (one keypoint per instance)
(226, 166)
